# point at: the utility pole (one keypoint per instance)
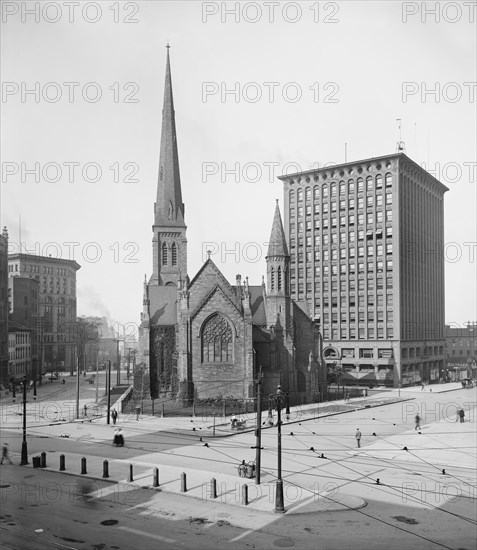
(77, 384)
(108, 389)
(258, 431)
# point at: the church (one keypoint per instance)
(204, 337)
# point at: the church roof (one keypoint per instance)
(163, 306)
(277, 245)
(169, 209)
(257, 305)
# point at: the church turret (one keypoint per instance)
(278, 259)
(169, 239)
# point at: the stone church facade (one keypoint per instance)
(205, 337)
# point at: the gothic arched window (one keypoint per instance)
(164, 254)
(279, 278)
(174, 254)
(216, 340)
(272, 279)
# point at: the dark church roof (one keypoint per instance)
(258, 306)
(278, 244)
(163, 301)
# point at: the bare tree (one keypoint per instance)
(84, 332)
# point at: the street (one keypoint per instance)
(410, 489)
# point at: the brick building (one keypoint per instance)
(366, 241)
(20, 353)
(206, 337)
(461, 350)
(56, 307)
(24, 300)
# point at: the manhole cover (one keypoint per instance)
(109, 522)
(284, 543)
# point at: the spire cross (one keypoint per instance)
(209, 252)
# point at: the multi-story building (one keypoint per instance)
(4, 339)
(57, 305)
(461, 350)
(23, 298)
(19, 351)
(366, 245)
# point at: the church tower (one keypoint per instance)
(278, 273)
(169, 241)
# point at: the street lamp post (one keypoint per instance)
(278, 398)
(24, 455)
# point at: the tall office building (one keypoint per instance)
(56, 306)
(366, 244)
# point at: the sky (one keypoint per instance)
(260, 89)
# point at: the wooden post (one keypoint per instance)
(130, 477)
(83, 465)
(155, 477)
(105, 468)
(62, 463)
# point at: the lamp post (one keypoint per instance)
(278, 398)
(24, 455)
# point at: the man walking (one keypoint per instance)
(114, 414)
(5, 454)
(358, 437)
(417, 420)
(461, 415)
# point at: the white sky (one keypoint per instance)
(358, 64)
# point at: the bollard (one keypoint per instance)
(62, 463)
(245, 494)
(43, 460)
(183, 483)
(130, 477)
(155, 477)
(213, 488)
(83, 465)
(105, 468)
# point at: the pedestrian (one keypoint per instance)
(114, 415)
(120, 437)
(233, 421)
(358, 437)
(417, 420)
(85, 410)
(5, 454)
(346, 398)
(461, 415)
(422, 387)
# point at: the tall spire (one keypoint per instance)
(169, 208)
(277, 245)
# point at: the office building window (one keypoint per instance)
(379, 181)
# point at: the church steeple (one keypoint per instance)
(169, 241)
(169, 208)
(278, 244)
(278, 259)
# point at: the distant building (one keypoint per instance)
(23, 297)
(19, 351)
(57, 305)
(461, 350)
(4, 338)
(366, 242)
